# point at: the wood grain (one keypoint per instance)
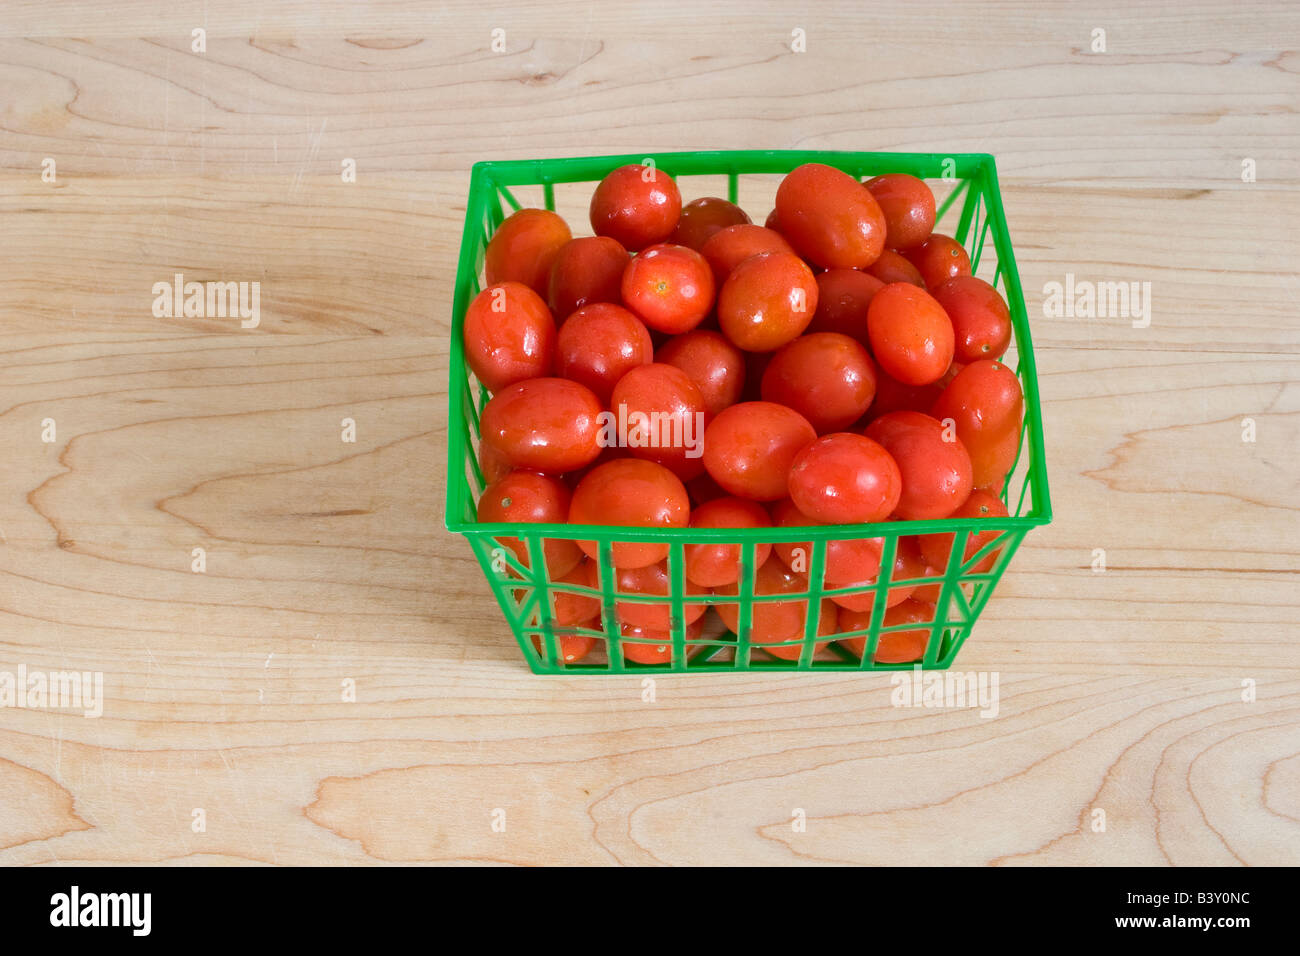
(327, 563)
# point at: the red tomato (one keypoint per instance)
(670, 287)
(585, 271)
(729, 247)
(939, 259)
(826, 377)
(770, 620)
(524, 247)
(908, 206)
(637, 205)
(531, 498)
(572, 647)
(748, 448)
(936, 548)
(843, 296)
(929, 593)
(911, 336)
(981, 322)
(892, 267)
(908, 565)
(648, 645)
(630, 492)
(509, 335)
(715, 365)
(546, 424)
(895, 647)
(569, 608)
(712, 565)
(661, 418)
(772, 221)
(827, 624)
(987, 405)
(830, 218)
(767, 300)
(936, 472)
(599, 344)
(653, 580)
(848, 560)
(843, 478)
(701, 218)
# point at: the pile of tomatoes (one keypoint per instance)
(841, 359)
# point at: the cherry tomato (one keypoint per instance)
(653, 580)
(772, 221)
(599, 344)
(892, 267)
(649, 645)
(748, 448)
(848, 560)
(827, 625)
(569, 608)
(929, 593)
(636, 205)
(661, 418)
(911, 336)
(843, 296)
(669, 287)
(712, 565)
(767, 300)
(981, 322)
(908, 206)
(729, 247)
(843, 478)
(826, 377)
(701, 218)
(585, 271)
(936, 548)
(770, 620)
(524, 247)
(830, 218)
(936, 471)
(531, 498)
(715, 365)
(509, 335)
(572, 647)
(550, 425)
(908, 565)
(987, 405)
(895, 647)
(939, 259)
(630, 492)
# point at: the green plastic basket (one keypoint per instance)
(525, 594)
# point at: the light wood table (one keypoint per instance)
(1163, 691)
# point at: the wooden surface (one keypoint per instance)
(1121, 691)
